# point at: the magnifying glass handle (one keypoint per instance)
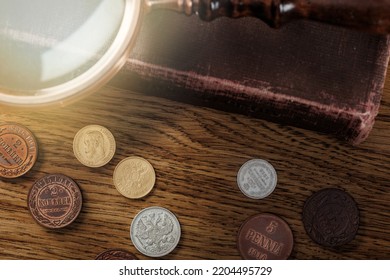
(373, 15)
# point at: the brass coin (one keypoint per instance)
(134, 177)
(18, 150)
(94, 146)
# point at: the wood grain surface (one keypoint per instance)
(196, 153)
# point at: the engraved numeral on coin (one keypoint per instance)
(17, 144)
(256, 254)
(271, 228)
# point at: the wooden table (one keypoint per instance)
(196, 153)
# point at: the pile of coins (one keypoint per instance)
(55, 200)
(330, 216)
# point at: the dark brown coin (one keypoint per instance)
(55, 201)
(331, 217)
(116, 254)
(18, 150)
(265, 237)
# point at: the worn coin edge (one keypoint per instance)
(116, 250)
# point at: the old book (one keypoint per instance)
(307, 74)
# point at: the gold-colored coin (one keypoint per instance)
(134, 177)
(94, 146)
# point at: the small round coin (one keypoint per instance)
(18, 150)
(54, 201)
(116, 254)
(155, 231)
(331, 217)
(94, 146)
(134, 177)
(265, 237)
(257, 178)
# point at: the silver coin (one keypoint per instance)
(155, 231)
(257, 178)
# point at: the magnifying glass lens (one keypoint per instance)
(54, 49)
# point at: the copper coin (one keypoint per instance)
(116, 254)
(265, 237)
(18, 150)
(331, 217)
(55, 201)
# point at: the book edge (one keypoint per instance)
(356, 124)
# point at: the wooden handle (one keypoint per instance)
(373, 15)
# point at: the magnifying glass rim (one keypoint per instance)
(99, 74)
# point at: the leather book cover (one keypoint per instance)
(306, 74)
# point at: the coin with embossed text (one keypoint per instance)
(155, 231)
(116, 254)
(18, 150)
(54, 201)
(134, 177)
(331, 217)
(257, 178)
(94, 145)
(265, 237)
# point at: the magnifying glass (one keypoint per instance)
(55, 51)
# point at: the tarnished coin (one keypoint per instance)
(134, 177)
(257, 178)
(155, 231)
(116, 254)
(54, 201)
(331, 217)
(94, 145)
(265, 237)
(18, 150)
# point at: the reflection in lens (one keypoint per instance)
(45, 43)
